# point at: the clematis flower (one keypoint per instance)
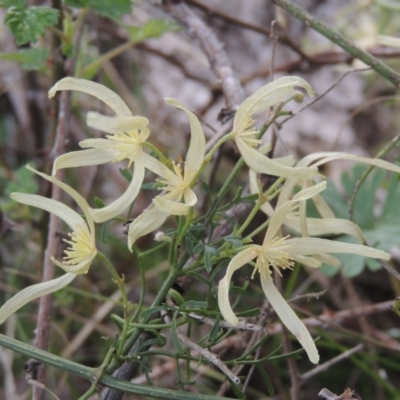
(177, 197)
(277, 253)
(245, 134)
(79, 254)
(127, 133)
(328, 224)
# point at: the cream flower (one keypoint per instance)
(177, 197)
(281, 253)
(328, 224)
(245, 134)
(79, 254)
(127, 134)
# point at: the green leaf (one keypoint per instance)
(174, 335)
(194, 304)
(25, 182)
(12, 3)
(77, 3)
(380, 225)
(30, 59)
(267, 381)
(214, 330)
(111, 8)
(27, 24)
(154, 28)
(105, 232)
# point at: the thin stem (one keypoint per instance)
(217, 145)
(378, 66)
(365, 174)
(120, 281)
(88, 373)
(160, 155)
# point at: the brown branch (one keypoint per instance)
(213, 49)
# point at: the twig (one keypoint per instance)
(321, 95)
(381, 68)
(208, 355)
(247, 25)
(213, 49)
(244, 325)
(325, 366)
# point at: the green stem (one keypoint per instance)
(365, 174)
(220, 142)
(160, 155)
(88, 373)
(378, 66)
(125, 303)
(99, 372)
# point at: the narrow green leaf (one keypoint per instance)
(174, 335)
(148, 313)
(214, 330)
(105, 231)
(203, 305)
(99, 203)
(198, 277)
(267, 381)
(238, 393)
(126, 174)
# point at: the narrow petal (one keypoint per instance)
(277, 220)
(95, 89)
(288, 316)
(84, 158)
(109, 124)
(69, 216)
(325, 157)
(76, 269)
(264, 165)
(319, 226)
(125, 200)
(82, 203)
(151, 219)
(170, 206)
(310, 192)
(309, 246)
(95, 143)
(237, 262)
(265, 97)
(197, 147)
(33, 292)
(159, 169)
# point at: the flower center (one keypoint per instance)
(248, 133)
(127, 145)
(273, 254)
(81, 246)
(176, 187)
